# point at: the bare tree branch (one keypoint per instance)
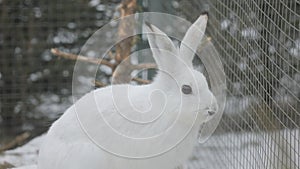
(111, 55)
(99, 84)
(126, 28)
(71, 56)
(142, 81)
(144, 66)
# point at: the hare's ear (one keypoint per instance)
(192, 39)
(161, 45)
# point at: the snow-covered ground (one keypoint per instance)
(23, 156)
(273, 150)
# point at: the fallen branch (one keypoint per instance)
(19, 140)
(71, 56)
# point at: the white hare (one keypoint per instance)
(150, 119)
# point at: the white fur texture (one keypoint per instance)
(68, 146)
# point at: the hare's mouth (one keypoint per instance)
(211, 112)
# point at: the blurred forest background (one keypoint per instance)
(258, 40)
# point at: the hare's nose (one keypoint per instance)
(211, 112)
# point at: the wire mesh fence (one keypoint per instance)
(34, 84)
(259, 44)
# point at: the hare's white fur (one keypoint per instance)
(67, 145)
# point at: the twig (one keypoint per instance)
(144, 66)
(111, 55)
(19, 140)
(99, 84)
(71, 56)
(143, 81)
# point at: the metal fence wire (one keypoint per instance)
(35, 86)
(258, 41)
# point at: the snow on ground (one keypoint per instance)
(23, 156)
(27, 167)
(272, 150)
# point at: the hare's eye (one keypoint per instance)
(186, 89)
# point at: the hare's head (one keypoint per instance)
(176, 74)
